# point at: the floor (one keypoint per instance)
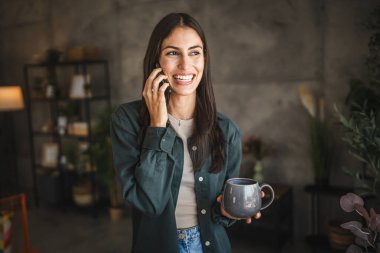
(54, 231)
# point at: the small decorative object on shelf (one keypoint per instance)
(49, 154)
(49, 91)
(80, 86)
(255, 146)
(47, 127)
(62, 124)
(78, 129)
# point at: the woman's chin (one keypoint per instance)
(182, 92)
(184, 89)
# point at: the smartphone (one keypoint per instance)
(168, 90)
(157, 65)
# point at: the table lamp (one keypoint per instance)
(11, 99)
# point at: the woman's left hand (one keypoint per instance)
(224, 213)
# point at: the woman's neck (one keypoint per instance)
(182, 107)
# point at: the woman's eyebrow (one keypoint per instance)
(177, 48)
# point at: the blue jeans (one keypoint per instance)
(189, 240)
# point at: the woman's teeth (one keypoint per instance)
(183, 77)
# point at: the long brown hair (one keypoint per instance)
(207, 135)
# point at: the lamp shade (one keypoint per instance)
(11, 98)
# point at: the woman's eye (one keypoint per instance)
(172, 53)
(195, 53)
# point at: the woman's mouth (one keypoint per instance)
(184, 78)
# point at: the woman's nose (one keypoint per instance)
(184, 63)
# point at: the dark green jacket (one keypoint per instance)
(150, 176)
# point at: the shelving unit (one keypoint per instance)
(53, 183)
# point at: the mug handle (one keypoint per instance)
(272, 198)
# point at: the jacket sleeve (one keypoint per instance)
(143, 171)
(234, 156)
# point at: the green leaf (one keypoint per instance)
(359, 157)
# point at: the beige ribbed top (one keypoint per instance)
(186, 209)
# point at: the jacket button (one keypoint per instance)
(207, 243)
(194, 148)
(203, 211)
(200, 179)
(181, 236)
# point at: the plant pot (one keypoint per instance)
(116, 213)
(83, 195)
(339, 238)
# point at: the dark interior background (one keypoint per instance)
(261, 52)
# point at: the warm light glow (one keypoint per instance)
(11, 98)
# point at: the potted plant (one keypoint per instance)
(361, 126)
(362, 135)
(366, 232)
(101, 152)
(83, 191)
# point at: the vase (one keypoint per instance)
(258, 171)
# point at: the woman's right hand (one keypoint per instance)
(155, 98)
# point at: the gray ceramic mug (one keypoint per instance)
(242, 198)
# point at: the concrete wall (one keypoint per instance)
(261, 52)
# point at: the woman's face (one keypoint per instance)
(182, 60)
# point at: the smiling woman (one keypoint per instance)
(182, 60)
(174, 152)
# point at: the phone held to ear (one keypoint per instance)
(168, 90)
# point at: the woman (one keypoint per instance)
(172, 150)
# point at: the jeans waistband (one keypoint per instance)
(188, 233)
(190, 229)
